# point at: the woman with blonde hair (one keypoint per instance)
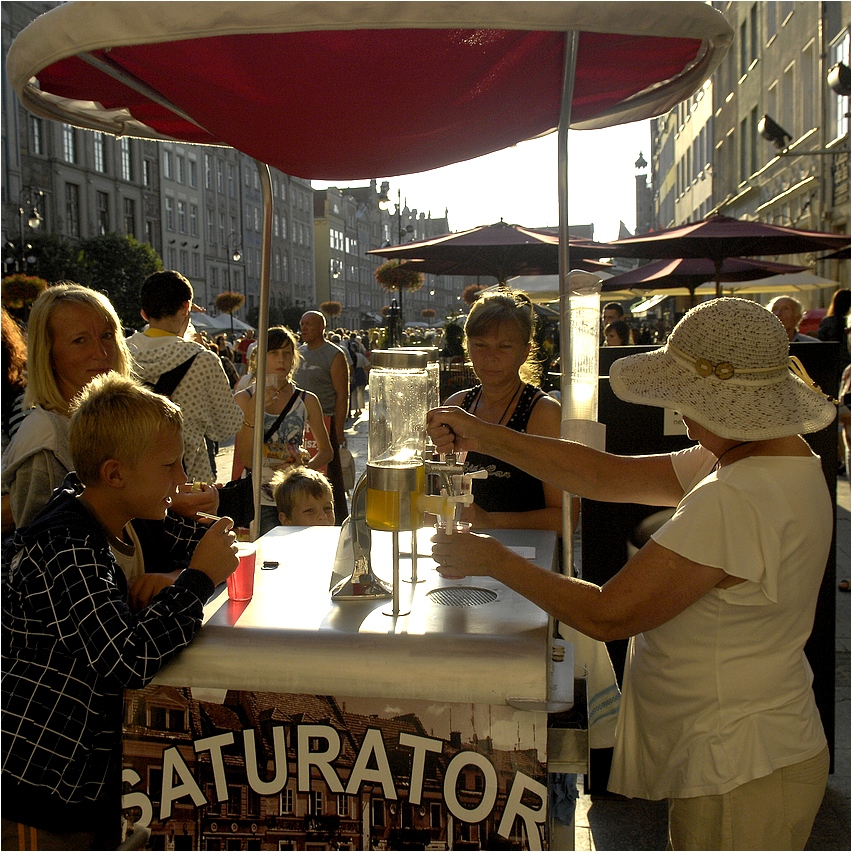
(73, 335)
(499, 336)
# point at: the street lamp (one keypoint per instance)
(385, 204)
(235, 253)
(28, 216)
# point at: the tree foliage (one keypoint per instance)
(116, 265)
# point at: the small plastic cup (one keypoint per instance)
(241, 582)
(458, 527)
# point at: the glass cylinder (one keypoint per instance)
(433, 373)
(399, 400)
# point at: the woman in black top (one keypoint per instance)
(499, 340)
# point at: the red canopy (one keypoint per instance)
(350, 90)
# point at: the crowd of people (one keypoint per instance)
(109, 466)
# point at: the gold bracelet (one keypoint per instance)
(250, 425)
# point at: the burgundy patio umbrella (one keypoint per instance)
(312, 88)
(717, 238)
(500, 250)
(691, 272)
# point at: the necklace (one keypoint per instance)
(719, 459)
(506, 410)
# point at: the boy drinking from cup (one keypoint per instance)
(71, 644)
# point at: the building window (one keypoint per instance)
(147, 173)
(232, 181)
(72, 209)
(126, 159)
(130, 217)
(211, 228)
(220, 177)
(69, 144)
(378, 807)
(100, 153)
(315, 802)
(193, 220)
(287, 801)
(838, 105)
(184, 262)
(180, 168)
(170, 213)
(181, 214)
(343, 805)
(196, 265)
(150, 230)
(221, 229)
(102, 208)
(166, 719)
(208, 172)
(771, 10)
(37, 132)
(193, 173)
(168, 165)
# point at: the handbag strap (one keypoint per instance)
(285, 411)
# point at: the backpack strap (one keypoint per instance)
(167, 383)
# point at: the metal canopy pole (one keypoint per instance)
(262, 334)
(572, 39)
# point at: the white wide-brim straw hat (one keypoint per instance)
(726, 365)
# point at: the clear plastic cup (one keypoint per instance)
(241, 582)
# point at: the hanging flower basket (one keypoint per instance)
(428, 313)
(471, 293)
(392, 276)
(20, 290)
(228, 302)
(331, 309)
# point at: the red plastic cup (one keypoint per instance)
(241, 582)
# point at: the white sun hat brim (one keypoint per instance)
(757, 396)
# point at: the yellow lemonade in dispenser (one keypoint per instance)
(393, 493)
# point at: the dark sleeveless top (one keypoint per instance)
(507, 488)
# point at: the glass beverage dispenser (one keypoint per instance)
(399, 401)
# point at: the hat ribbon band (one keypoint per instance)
(724, 370)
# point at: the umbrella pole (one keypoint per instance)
(572, 39)
(262, 329)
(719, 262)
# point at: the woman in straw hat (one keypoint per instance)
(718, 714)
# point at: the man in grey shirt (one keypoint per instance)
(324, 371)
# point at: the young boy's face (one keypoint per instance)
(310, 512)
(153, 480)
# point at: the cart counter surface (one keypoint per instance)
(473, 640)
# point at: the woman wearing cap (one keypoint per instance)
(718, 714)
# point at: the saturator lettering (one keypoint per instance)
(179, 782)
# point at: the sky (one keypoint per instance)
(519, 184)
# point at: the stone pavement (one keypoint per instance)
(604, 823)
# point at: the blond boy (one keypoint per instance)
(71, 643)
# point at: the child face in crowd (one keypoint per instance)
(309, 511)
(152, 481)
(279, 363)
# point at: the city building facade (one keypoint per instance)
(710, 156)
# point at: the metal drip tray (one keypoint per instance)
(462, 596)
